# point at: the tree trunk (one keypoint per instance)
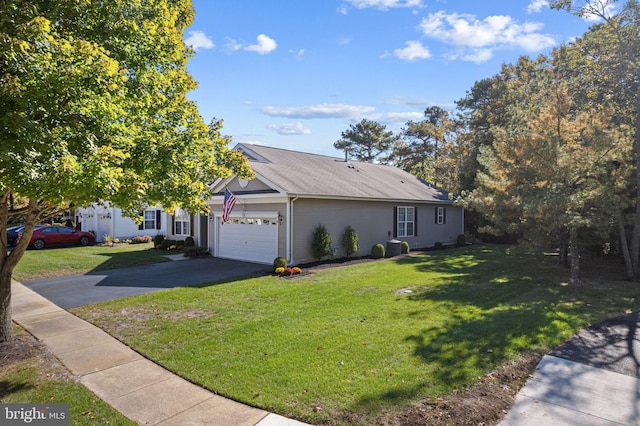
(6, 326)
(574, 254)
(635, 237)
(8, 262)
(624, 246)
(563, 253)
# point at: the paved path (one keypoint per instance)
(133, 385)
(591, 379)
(79, 290)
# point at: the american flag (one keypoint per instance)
(227, 206)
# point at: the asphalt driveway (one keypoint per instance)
(79, 290)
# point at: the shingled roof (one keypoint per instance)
(312, 175)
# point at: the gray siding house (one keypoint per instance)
(294, 192)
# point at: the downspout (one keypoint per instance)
(290, 231)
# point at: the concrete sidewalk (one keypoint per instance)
(563, 392)
(133, 385)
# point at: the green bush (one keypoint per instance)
(321, 245)
(194, 251)
(189, 242)
(172, 243)
(438, 246)
(140, 239)
(158, 239)
(377, 251)
(405, 248)
(461, 241)
(279, 262)
(350, 241)
(179, 243)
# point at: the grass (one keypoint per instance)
(343, 343)
(31, 374)
(64, 261)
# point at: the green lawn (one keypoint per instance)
(35, 376)
(62, 261)
(343, 340)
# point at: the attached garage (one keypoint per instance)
(251, 239)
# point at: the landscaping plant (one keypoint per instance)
(321, 242)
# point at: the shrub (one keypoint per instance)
(377, 251)
(321, 242)
(279, 270)
(438, 246)
(189, 242)
(405, 248)
(350, 241)
(287, 272)
(180, 243)
(140, 239)
(279, 262)
(172, 243)
(158, 239)
(194, 251)
(461, 241)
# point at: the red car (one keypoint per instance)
(59, 236)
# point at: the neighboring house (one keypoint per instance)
(293, 192)
(103, 221)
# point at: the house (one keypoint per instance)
(108, 220)
(293, 192)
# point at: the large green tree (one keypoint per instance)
(93, 106)
(366, 141)
(434, 149)
(552, 171)
(612, 52)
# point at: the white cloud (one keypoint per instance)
(233, 45)
(288, 129)
(319, 111)
(536, 6)
(298, 53)
(199, 40)
(381, 4)
(414, 50)
(395, 117)
(476, 40)
(264, 45)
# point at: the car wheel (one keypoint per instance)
(84, 241)
(38, 244)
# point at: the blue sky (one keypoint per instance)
(295, 74)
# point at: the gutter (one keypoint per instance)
(290, 229)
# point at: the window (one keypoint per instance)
(441, 216)
(150, 219)
(182, 224)
(406, 222)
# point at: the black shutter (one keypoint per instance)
(415, 221)
(444, 215)
(158, 219)
(395, 222)
(436, 215)
(191, 221)
(173, 224)
(141, 224)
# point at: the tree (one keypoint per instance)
(93, 106)
(550, 173)
(434, 149)
(366, 141)
(623, 69)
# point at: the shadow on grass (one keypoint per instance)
(495, 308)
(125, 259)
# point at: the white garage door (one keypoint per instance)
(251, 239)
